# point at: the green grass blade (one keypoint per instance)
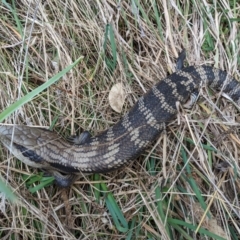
(97, 186)
(158, 19)
(116, 213)
(192, 182)
(7, 191)
(15, 15)
(131, 229)
(193, 227)
(45, 181)
(110, 62)
(36, 182)
(183, 232)
(13, 107)
(113, 46)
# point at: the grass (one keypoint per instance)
(186, 185)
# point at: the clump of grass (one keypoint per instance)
(186, 184)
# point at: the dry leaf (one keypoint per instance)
(215, 228)
(116, 97)
(209, 224)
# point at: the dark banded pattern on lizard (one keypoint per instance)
(122, 142)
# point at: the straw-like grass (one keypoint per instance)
(186, 185)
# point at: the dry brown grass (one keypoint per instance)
(39, 38)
